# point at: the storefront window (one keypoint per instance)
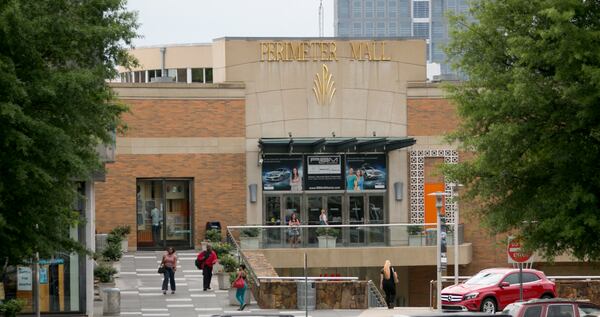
(376, 216)
(356, 217)
(273, 217)
(163, 213)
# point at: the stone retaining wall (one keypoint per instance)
(329, 295)
(586, 290)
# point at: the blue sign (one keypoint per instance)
(43, 275)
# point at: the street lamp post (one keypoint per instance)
(439, 196)
(456, 221)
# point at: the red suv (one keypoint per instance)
(492, 289)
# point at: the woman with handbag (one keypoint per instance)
(388, 282)
(169, 266)
(241, 285)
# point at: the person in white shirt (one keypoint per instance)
(323, 217)
(156, 220)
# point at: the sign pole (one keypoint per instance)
(305, 285)
(521, 281)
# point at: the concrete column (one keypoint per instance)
(90, 244)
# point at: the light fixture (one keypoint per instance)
(253, 188)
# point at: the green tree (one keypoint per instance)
(55, 107)
(530, 111)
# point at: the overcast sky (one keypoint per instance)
(201, 21)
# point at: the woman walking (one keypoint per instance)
(294, 230)
(169, 262)
(240, 294)
(388, 281)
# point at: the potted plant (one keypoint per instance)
(212, 236)
(232, 291)
(104, 273)
(415, 235)
(327, 237)
(122, 232)
(230, 265)
(249, 238)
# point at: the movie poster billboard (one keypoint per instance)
(324, 172)
(365, 172)
(282, 172)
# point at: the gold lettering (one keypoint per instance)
(383, 58)
(324, 51)
(279, 54)
(292, 53)
(332, 53)
(356, 49)
(306, 51)
(315, 51)
(263, 51)
(368, 55)
(271, 52)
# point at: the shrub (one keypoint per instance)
(325, 231)
(11, 307)
(121, 231)
(415, 230)
(213, 235)
(232, 277)
(112, 252)
(250, 232)
(104, 273)
(229, 263)
(113, 239)
(222, 248)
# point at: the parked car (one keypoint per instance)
(277, 175)
(493, 289)
(555, 307)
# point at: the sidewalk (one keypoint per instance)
(141, 293)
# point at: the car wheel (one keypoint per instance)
(546, 296)
(488, 306)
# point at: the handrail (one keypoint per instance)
(341, 226)
(374, 291)
(243, 258)
(311, 278)
(557, 277)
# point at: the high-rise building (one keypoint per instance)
(401, 18)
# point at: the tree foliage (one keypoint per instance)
(55, 107)
(530, 110)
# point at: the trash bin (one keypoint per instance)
(305, 295)
(431, 236)
(112, 302)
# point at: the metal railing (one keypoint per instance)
(340, 235)
(376, 299)
(242, 258)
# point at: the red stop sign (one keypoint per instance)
(516, 253)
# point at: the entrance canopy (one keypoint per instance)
(333, 145)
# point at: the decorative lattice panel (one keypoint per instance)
(417, 183)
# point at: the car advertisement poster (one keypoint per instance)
(324, 172)
(282, 172)
(365, 172)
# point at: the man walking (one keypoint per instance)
(206, 260)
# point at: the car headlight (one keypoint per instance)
(471, 295)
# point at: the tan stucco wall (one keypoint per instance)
(177, 56)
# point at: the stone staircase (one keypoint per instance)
(259, 263)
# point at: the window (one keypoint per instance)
(357, 9)
(182, 75)
(140, 77)
(380, 29)
(344, 8)
(534, 311)
(530, 277)
(369, 29)
(197, 75)
(154, 73)
(560, 310)
(392, 31)
(392, 8)
(512, 279)
(421, 30)
(369, 9)
(208, 72)
(357, 29)
(380, 8)
(420, 9)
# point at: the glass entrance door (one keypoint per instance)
(164, 213)
(314, 206)
(356, 216)
(376, 216)
(273, 218)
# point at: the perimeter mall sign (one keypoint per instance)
(320, 51)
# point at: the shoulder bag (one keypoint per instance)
(239, 282)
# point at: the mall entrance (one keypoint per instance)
(342, 208)
(164, 213)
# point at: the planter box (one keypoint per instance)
(125, 245)
(233, 301)
(326, 241)
(223, 280)
(249, 243)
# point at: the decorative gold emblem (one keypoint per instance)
(324, 86)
